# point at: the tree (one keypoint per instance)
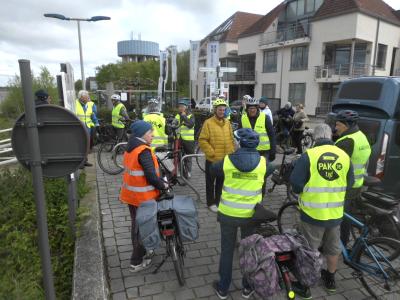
(13, 104)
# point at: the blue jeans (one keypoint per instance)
(229, 226)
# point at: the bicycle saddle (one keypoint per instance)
(379, 199)
(262, 214)
(376, 211)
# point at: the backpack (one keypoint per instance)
(258, 265)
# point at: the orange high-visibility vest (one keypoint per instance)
(135, 186)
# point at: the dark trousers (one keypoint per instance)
(228, 241)
(138, 250)
(345, 226)
(213, 186)
(265, 154)
(296, 137)
(188, 148)
(119, 133)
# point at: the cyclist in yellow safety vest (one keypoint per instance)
(84, 109)
(155, 118)
(244, 174)
(118, 114)
(321, 176)
(354, 142)
(260, 123)
(186, 134)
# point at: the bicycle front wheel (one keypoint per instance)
(105, 159)
(201, 161)
(289, 218)
(378, 273)
(177, 258)
(118, 154)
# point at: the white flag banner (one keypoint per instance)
(164, 65)
(212, 59)
(160, 84)
(194, 59)
(174, 71)
(68, 86)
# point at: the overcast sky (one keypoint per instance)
(25, 33)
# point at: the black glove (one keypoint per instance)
(271, 157)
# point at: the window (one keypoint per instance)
(309, 6)
(299, 60)
(269, 61)
(268, 90)
(297, 93)
(381, 59)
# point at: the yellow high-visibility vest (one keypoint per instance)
(260, 128)
(158, 122)
(186, 133)
(115, 114)
(242, 190)
(84, 116)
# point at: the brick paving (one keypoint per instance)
(202, 256)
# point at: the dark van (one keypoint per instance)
(377, 100)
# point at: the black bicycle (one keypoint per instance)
(110, 153)
(284, 137)
(169, 231)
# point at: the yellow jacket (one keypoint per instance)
(216, 139)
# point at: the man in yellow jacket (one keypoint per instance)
(216, 141)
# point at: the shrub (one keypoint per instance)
(21, 276)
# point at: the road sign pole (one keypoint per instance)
(37, 177)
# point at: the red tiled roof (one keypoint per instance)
(262, 24)
(376, 8)
(240, 21)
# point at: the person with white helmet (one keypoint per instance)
(118, 114)
(155, 117)
(216, 141)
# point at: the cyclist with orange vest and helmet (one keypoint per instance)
(141, 182)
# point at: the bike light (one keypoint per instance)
(380, 164)
(168, 232)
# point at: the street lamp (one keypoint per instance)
(78, 20)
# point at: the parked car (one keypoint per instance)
(204, 104)
(377, 101)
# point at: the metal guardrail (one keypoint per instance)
(5, 147)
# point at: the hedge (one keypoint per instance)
(21, 274)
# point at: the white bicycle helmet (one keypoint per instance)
(251, 101)
(116, 97)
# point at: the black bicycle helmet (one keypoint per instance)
(247, 137)
(347, 116)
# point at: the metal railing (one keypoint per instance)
(6, 151)
(244, 76)
(286, 34)
(336, 71)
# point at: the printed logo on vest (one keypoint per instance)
(246, 176)
(327, 166)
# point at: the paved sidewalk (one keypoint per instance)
(201, 262)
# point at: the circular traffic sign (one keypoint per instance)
(63, 140)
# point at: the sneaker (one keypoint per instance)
(144, 265)
(189, 174)
(246, 293)
(213, 208)
(88, 164)
(329, 280)
(300, 290)
(218, 292)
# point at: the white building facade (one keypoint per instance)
(304, 49)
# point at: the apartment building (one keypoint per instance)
(304, 49)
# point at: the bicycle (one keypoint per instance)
(284, 138)
(372, 259)
(169, 232)
(281, 176)
(110, 153)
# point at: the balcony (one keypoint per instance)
(245, 77)
(340, 72)
(299, 33)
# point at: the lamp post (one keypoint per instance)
(78, 20)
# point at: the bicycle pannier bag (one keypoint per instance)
(146, 220)
(186, 215)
